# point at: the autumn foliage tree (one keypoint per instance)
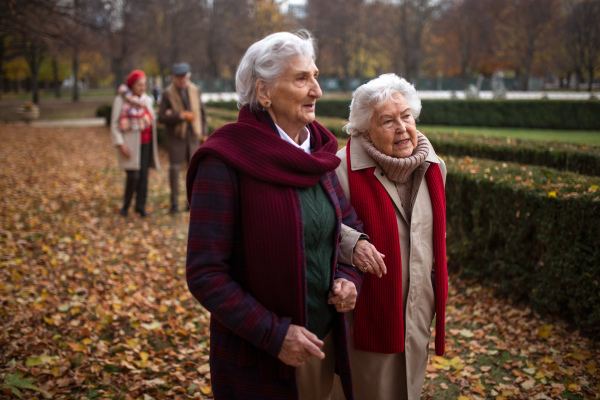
(582, 30)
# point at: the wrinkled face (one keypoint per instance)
(393, 129)
(181, 81)
(292, 100)
(139, 87)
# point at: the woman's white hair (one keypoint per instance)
(267, 59)
(375, 93)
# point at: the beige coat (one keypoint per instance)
(132, 138)
(416, 243)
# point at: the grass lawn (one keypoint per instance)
(578, 137)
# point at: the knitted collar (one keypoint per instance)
(398, 170)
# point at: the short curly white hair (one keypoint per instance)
(374, 94)
(267, 59)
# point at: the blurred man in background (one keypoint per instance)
(183, 113)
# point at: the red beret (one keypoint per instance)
(134, 76)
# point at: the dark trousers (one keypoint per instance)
(137, 181)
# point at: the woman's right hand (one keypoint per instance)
(299, 345)
(125, 150)
(368, 259)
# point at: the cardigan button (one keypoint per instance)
(382, 174)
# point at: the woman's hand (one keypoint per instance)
(299, 345)
(125, 150)
(343, 295)
(368, 259)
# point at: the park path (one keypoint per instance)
(96, 305)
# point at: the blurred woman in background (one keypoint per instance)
(133, 132)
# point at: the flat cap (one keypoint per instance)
(180, 69)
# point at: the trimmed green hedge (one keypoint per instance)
(558, 155)
(532, 233)
(228, 105)
(541, 114)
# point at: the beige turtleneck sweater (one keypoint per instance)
(400, 170)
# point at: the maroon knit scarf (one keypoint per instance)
(269, 170)
(378, 316)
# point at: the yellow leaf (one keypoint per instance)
(462, 398)
(33, 362)
(206, 389)
(49, 321)
(575, 356)
(544, 330)
(573, 386)
(144, 356)
(551, 195)
(132, 343)
(539, 375)
(529, 371)
(77, 347)
(591, 368)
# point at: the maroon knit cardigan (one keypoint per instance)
(378, 316)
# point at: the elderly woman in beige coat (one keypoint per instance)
(395, 181)
(133, 133)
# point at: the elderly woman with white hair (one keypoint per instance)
(265, 223)
(395, 182)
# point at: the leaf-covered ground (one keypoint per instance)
(96, 306)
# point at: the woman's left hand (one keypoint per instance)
(343, 295)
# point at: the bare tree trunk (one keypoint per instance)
(55, 78)
(2, 53)
(34, 57)
(75, 92)
(118, 70)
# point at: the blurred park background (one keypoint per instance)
(63, 48)
(96, 306)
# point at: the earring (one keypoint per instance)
(267, 103)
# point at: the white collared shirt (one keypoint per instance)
(304, 146)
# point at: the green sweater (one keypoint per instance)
(319, 219)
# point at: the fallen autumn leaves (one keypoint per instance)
(96, 306)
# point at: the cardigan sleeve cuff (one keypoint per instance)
(276, 341)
